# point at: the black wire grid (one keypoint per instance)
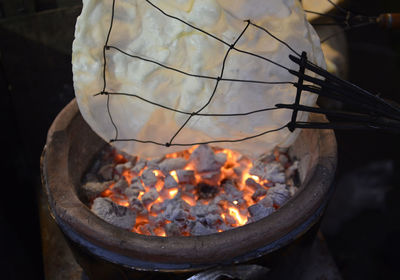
(344, 18)
(370, 112)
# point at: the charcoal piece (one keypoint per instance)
(157, 221)
(139, 166)
(94, 189)
(170, 182)
(154, 164)
(231, 191)
(188, 188)
(106, 172)
(179, 215)
(148, 178)
(258, 193)
(241, 202)
(268, 184)
(130, 158)
(137, 206)
(221, 158)
(212, 219)
(214, 209)
(258, 212)
(173, 212)
(113, 213)
(172, 229)
(121, 185)
(185, 176)
(170, 164)
(149, 196)
(168, 211)
(253, 184)
(123, 166)
(243, 160)
(238, 171)
(279, 194)
(275, 173)
(156, 208)
(200, 229)
(211, 178)
(119, 168)
(156, 160)
(258, 169)
(183, 205)
(191, 223)
(176, 202)
(131, 193)
(222, 198)
(230, 220)
(206, 191)
(146, 229)
(266, 202)
(223, 227)
(199, 210)
(204, 159)
(267, 158)
(137, 184)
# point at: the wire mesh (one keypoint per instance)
(369, 108)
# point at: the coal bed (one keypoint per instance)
(199, 191)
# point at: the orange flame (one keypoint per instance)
(189, 200)
(172, 192)
(174, 175)
(242, 220)
(128, 176)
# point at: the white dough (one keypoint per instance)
(319, 6)
(140, 29)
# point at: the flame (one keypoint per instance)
(242, 220)
(174, 175)
(128, 176)
(255, 178)
(118, 158)
(160, 232)
(106, 193)
(189, 200)
(159, 186)
(140, 195)
(172, 192)
(190, 166)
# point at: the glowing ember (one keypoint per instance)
(199, 191)
(172, 193)
(242, 220)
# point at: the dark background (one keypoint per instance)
(361, 225)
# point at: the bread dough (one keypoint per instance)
(142, 30)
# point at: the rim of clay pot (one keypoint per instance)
(70, 212)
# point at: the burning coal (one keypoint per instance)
(198, 191)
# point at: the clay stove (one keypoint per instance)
(108, 252)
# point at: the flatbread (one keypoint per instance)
(141, 30)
